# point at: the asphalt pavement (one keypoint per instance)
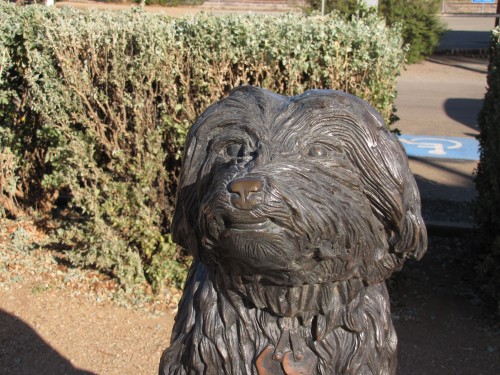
(441, 98)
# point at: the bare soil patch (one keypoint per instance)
(53, 332)
(58, 320)
(443, 326)
(55, 319)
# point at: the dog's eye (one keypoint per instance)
(317, 151)
(235, 150)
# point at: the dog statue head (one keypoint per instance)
(295, 209)
(285, 195)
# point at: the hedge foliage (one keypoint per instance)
(488, 178)
(94, 109)
(422, 28)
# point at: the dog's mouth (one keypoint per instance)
(248, 224)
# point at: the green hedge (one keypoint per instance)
(94, 108)
(488, 179)
(422, 28)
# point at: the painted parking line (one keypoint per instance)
(458, 148)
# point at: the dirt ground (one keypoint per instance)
(443, 327)
(57, 320)
(52, 332)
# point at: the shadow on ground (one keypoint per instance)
(464, 110)
(478, 64)
(24, 352)
(441, 324)
(447, 180)
(464, 39)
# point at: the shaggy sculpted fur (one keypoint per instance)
(295, 209)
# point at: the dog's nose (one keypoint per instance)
(245, 192)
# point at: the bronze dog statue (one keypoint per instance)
(296, 210)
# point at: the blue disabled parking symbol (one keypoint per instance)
(458, 148)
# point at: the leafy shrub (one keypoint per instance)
(8, 182)
(422, 28)
(488, 179)
(104, 100)
(8, 160)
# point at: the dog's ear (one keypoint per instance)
(384, 172)
(407, 231)
(188, 198)
(391, 188)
